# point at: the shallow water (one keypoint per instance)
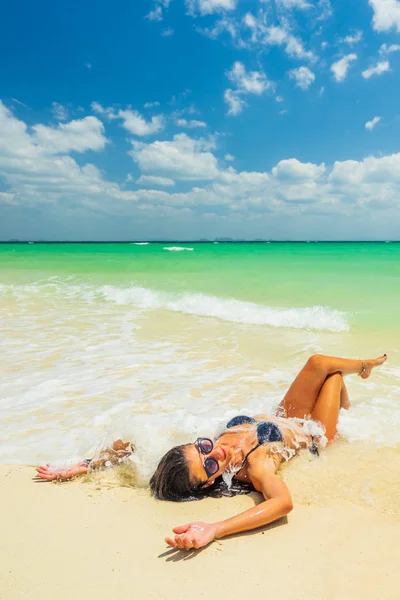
(134, 341)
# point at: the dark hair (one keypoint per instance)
(172, 480)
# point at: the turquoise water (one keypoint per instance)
(360, 279)
(162, 341)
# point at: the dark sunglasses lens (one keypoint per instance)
(206, 446)
(211, 466)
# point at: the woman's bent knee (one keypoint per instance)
(316, 362)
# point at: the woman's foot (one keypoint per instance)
(50, 473)
(370, 364)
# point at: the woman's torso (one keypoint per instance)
(274, 438)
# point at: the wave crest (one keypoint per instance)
(229, 309)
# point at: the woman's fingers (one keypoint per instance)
(181, 528)
(170, 542)
(187, 544)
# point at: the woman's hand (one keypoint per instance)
(192, 535)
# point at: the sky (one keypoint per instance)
(200, 119)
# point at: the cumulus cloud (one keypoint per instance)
(79, 136)
(149, 180)
(151, 104)
(246, 82)
(191, 124)
(386, 49)
(132, 120)
(276, 35)
(229, 157)
(34, 175)
(303, 77)
(251, 82)
(341, 67)
(157, 14)
(381, 67)
(182, 158)
(59, 111)
(371, 124)
(386, 14)
(208, 7)
(299, 4)
(353, 38)
(293, 169)
(234, 101)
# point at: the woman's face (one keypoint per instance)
(221, 453)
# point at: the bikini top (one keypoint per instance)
(267, 432)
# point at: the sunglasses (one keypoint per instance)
(211, 465)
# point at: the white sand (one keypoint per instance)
(85, 541)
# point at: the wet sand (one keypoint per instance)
(91, 540)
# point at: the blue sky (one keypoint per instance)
(187, 119)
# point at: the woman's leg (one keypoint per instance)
(302, 395)
(326, 409)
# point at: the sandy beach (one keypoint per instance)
(87, 540)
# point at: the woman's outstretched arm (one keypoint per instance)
(277, 504)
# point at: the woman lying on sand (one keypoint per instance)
(249, 451)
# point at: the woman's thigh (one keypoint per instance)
(302, 395)
(326, 409)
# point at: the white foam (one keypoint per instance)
(81, 370)
(319, 318)
(139, 243)
(177, 248)
(230, 309)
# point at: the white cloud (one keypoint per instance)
(79, 136)
(136, 124)
(167, 32)
(381, 67)
(352, 39)
(208, 7)
(34, 176)
(59, 111)
(303, 77)
(340, 68)
(6, 198)
(132, 120)
(191, 124)
(299, 4)
(156, 14)
(384, 170)
(275, 35)
(386, 14)
(182, 158)
(279, 99)
(149, 180)
(293, 169)
(229, 157)
(384, 50)
(246, 82)
(278, 36)
(234, 101)
(371, 124)
(251, 82)
(108, 113)
(150, 104)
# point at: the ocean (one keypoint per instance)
(162, 342)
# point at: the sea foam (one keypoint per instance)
(230, 309)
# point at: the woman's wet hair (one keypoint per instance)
(173, 481)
